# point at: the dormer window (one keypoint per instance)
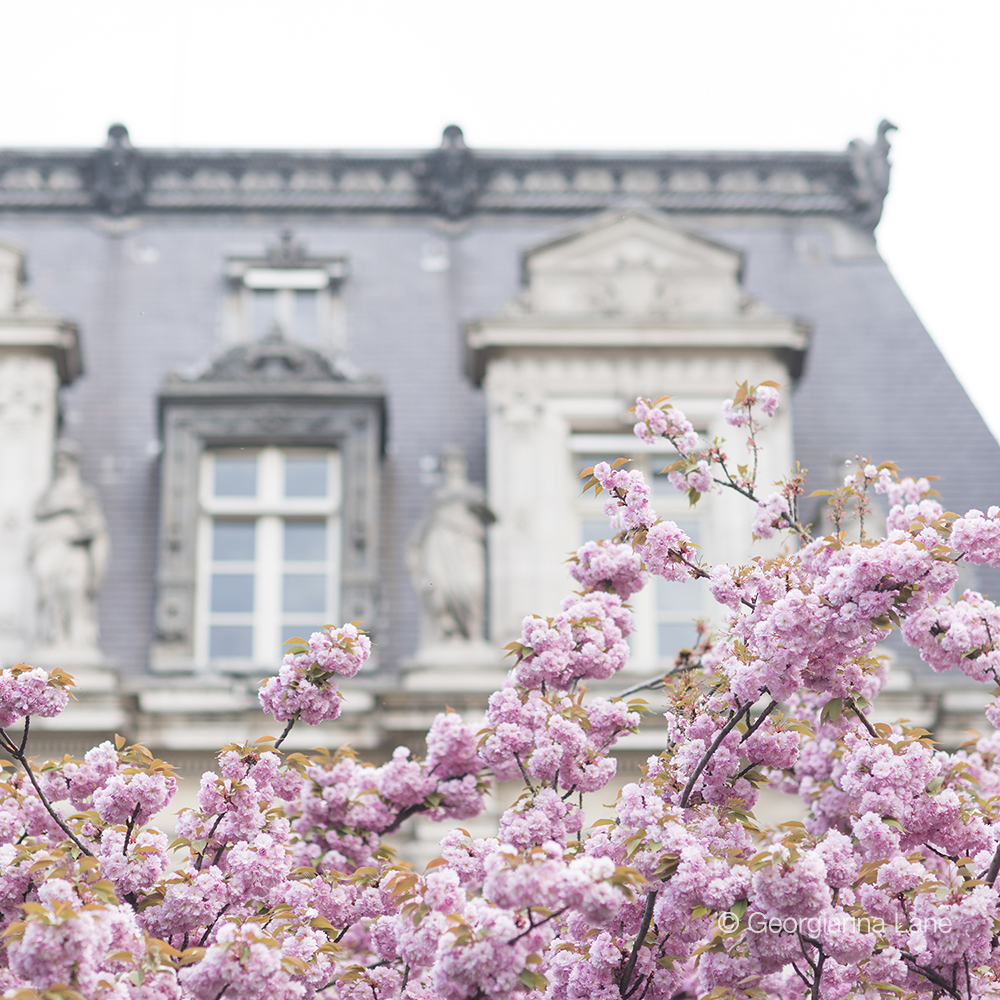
(269, 506)
(288, 291)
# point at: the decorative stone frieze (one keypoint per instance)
(452, 180)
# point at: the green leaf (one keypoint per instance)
(832, 710)
(533, 980)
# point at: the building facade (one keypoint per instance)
(246, 393)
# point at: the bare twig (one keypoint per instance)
(647, 919)
(211, 834)
(287, 730)
(129, 827)
(760, 718)
(991, 875)
(524, 773)
(659, 680)
(531, 925)
(931, 976)
(849, 702)
(48, 805)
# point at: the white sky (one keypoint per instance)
(634, 74)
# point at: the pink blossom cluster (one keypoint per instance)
(662, 419)
(585, 640)
(554, 739)
(726, 778)
(134, 795)
(738, 412)
(545, 876)
(342, 806)
(772, 515)
(903, 491)
(976, 538)
(26, 691)
(811, 621)
(603, 565)
(664, 549)
(305, 687)
(903, 516)
(695, 476)
(245, 961)
(70, 939)
(960, 635)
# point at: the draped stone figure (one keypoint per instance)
(68, 556)
(447, 563)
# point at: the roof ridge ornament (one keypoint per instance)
(871, 167)
(449, 175)
(287, 252)
(119, 184)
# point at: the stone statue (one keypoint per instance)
(870, 163)
(447, 562)
(68, 556)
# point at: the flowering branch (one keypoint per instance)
(18, 754)
(710, 752)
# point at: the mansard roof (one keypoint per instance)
(452, 180)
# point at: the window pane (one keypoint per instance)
(595, 528)
(235, 475)
(232, 592)
(233, 540)
(305, 475)
(305, 592)
(264, 312)
(674, 636)
(306, 315)
(305, 541)
(230, 641)
(679, 597)
(661, 481)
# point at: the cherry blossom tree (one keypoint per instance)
(280, 884)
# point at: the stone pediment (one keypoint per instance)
(632, 280)
(633, 264)
(273, 366)
(273, 359)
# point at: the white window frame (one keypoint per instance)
(325, 277)
(269, 509)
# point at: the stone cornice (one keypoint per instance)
(496, 338)
(452, 181)
(45, 335)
